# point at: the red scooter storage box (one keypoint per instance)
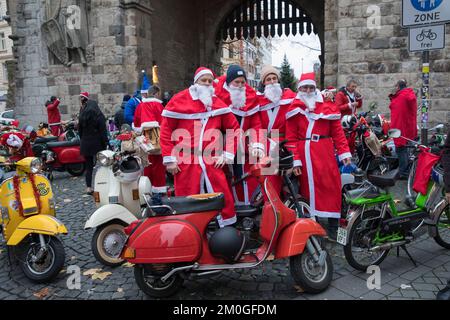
(166, 240)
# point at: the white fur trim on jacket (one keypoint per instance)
(195, 116)
(241, 113)
(169, 159)
(312, 116)
(151, 100)
(159, 189)
(258, 146)
(229, 156)
(272, 105)
(298, 163)
(136, 129)
(150, 125)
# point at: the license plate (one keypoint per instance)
(342, 236)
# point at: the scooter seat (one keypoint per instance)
(386, 180)
(363, 192)
(41, 140)
(61, 144)
(195, 203)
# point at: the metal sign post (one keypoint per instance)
(425, 105)
(425, 19)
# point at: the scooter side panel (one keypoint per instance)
(109, 213)
(168, 241)
(39, 224)
(293, 239)
(69, 155)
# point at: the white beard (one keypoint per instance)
(309, 99)
(205, 94)
(273, 92)
(238, 97)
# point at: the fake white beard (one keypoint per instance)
(205, 94)
(309, 99)
(238, 97)
(273, 92)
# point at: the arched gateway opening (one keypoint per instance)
(251, 35)
(186, 34)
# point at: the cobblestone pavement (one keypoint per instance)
(399, 278)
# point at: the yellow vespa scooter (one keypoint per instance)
(28, 222)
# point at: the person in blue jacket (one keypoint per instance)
(132, 104)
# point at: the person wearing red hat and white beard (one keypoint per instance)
(243, 101)
(18, 145)
(149, 113)
(190, 148)
(314, 129)
(274, 103)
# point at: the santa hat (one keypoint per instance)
(13, 139)
(201, 72)
(146, 85)
(84, 95)
(307, 79)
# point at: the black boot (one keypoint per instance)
(444, 294)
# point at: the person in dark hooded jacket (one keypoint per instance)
(93, 135)
(444, 294)
(119, 116)
(403, 117)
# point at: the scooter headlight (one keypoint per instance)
(36, 165)
(105, 158)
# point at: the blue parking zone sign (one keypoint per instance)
(425, 12)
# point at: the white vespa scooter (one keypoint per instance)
(119, 189)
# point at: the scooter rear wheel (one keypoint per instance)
(48, 266)
(150, 282)
(309, 275)
(77, 169)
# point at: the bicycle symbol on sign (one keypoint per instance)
(426, 34)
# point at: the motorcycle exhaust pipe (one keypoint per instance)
(388, 246)
(177, 270)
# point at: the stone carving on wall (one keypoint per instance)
(65, 30)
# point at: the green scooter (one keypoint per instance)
(374, 225)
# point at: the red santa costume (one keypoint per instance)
(248, 118)
(344, 100)
(187, 131)
(54, 118)
(273, 112)
(149, 112)
(314, 127)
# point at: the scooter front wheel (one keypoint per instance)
(309, 274)
(42, 264)
(150, 282)
(107, 244)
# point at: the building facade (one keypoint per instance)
(6, 53)
(251, 54)
(119, 38)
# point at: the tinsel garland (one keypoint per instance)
(16, 184)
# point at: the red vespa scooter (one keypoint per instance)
(167, 248)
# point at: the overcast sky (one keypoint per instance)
(295, 52)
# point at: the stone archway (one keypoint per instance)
(216, 13)
(184, 35)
